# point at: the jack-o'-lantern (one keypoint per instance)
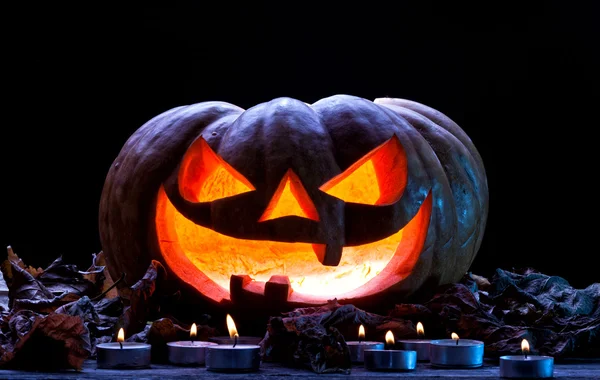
(345, 198)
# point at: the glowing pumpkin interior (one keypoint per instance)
(207, 259)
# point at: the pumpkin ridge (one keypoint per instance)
(109, 190)
(462, 167)
(126, 214)
(451, 153)
(440, 176)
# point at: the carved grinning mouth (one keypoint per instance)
(207, 259)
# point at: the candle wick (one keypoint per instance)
(235, 338)
(525, 354)
(121, 344)
(457, 341)
(359, 340)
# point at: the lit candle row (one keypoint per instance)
(231, 356)
(443, 353)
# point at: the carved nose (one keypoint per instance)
(290, 199)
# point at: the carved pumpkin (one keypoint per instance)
(345, 198)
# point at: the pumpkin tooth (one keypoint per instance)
(278, 288)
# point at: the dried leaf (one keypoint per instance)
(144, 304)
(26, 329)
(99, 275)
(45, 305)
(56, 341)
(112, 307)
(25, 287)
(13, 258)
(20, 323)
(82, 308)
(97, 324)
(163, 331)
(482, 282)
(60, 278)
(139, 337)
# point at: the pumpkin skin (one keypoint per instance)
(215, 192)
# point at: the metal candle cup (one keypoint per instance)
(235, 357)
(357, 349)
(390, 359)
(456, 353)
(230, 358)
(421, 346)
(532, 366)
(124, 355)
(188, 353)
(526, 366)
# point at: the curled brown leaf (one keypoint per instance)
(55, 341)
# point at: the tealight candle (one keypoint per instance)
(390, 359)
(233, 357)
(122, 355)
(240, 339)
(456, 353)
(525, 365)
(188, 352)
(357, 348)
(420, 345)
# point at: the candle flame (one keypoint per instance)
(455, 336)
(420, 329)
(121, 335)
(231, 327)
(361, 332)
(193, 331)
(525, 346)
(389, 338)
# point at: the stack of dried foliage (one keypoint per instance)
(555, 318)
(56, 316)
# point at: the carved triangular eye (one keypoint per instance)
(378, 178)
(205, 177)
(290, 198)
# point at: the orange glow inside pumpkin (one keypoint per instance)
(290, 198)
(219, 256)
(208, 177)
(207, 259)
(385, 166)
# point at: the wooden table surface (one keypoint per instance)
(584, 369)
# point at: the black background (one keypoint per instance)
(521, 80)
